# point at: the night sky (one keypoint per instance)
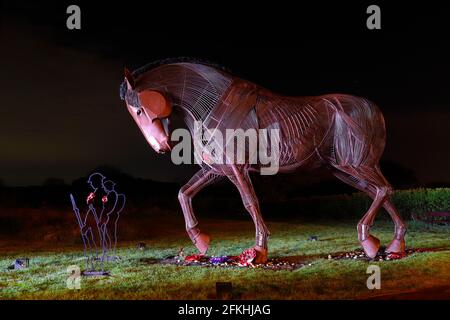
(61, 115)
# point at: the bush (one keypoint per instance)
(417, 201)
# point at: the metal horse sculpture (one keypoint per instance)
(342, 132)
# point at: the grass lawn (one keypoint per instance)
(131, 278)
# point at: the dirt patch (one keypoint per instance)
(275, 264)
(381, 255)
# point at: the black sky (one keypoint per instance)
(60, 113)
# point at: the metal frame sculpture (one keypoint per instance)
(110, 221)
(99, 226)
(342, 132)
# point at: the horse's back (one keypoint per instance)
(303, 124)
(337, 128)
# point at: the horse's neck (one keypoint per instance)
(186, 116)
(196, 90)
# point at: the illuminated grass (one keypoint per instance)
(324, 279)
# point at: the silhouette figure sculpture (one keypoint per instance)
(114, 205)
(99, 226)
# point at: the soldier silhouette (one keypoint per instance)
(91, 222)
(98, 226)
(114, 204)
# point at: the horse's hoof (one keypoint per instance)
(202, 242)
(371, 246)
(396, 246)
(261, 254)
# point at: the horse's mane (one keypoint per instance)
(157, 63)
(161, 62)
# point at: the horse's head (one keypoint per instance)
(150, 110)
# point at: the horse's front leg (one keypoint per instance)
(243, 183)
(200, 180)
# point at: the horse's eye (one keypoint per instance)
(139, 112)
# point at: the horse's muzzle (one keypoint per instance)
(164, 147)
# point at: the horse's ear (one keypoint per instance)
(157, 105)
(129, 78)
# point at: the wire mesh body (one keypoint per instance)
(341, 132)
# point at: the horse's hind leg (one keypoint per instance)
(200, 180)
(367, 177)
(397, 245)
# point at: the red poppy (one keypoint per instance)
(90, 197)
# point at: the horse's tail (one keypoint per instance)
(359, 132)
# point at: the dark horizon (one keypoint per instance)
(61, 113)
